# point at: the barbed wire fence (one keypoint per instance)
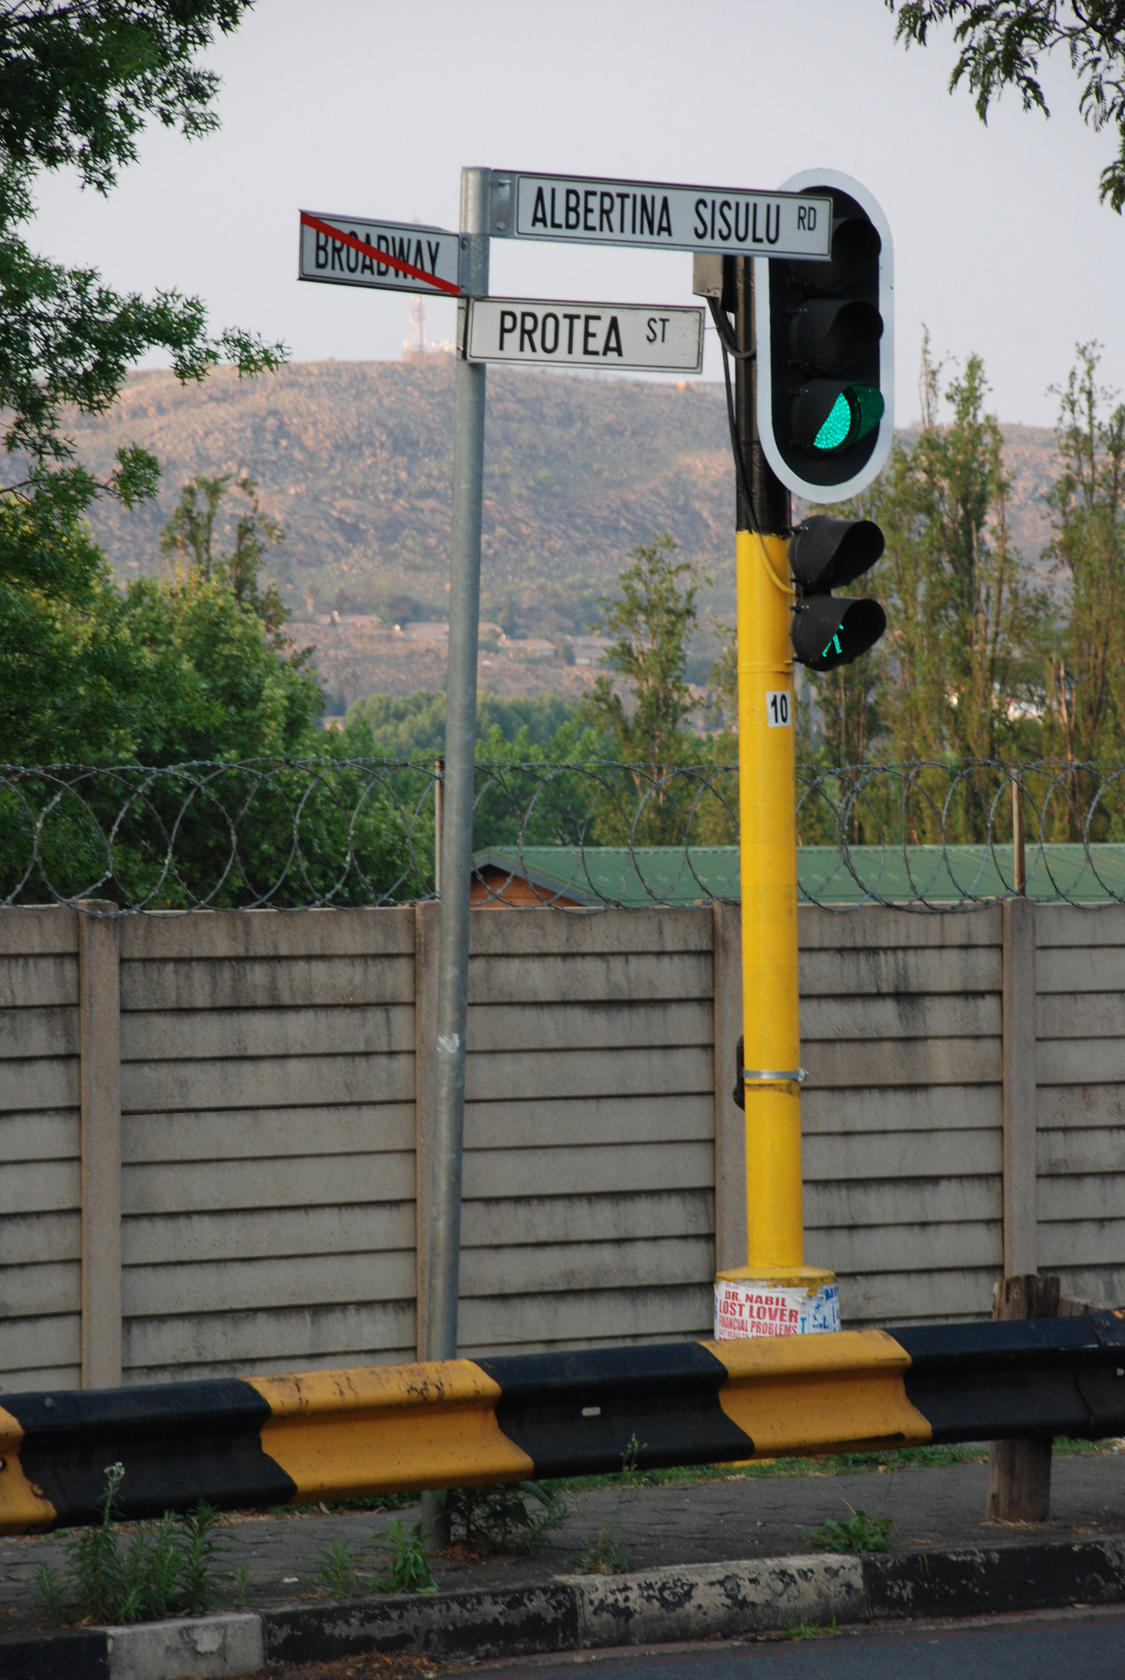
(296, 835)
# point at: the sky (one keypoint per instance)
(371, 109)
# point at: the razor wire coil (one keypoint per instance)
(315, 833)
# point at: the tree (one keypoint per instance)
(209, 684)
(215, 786)
(965, 628)
(78, 80)
(412, 726)
(651, 620)
(1002, 41)
(848, 712)
(531, 788)
(640, 703)
(66, 671)
(1086, 714)
(195, 666)
(188, 540)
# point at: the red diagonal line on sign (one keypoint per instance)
(383, 258)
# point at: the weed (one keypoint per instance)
(603, 1556)
(813, 1630)
(240, 1587)
(336, 1569)
(857, 1533)
(163, 1568)
(409, 1570)
(51, 1595)
(499, 1518)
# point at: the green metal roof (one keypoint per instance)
(940, 875)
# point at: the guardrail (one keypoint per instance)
(265, 1441)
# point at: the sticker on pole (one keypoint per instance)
(744, 1309)
(779, 708)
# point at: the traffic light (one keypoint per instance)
(823, 334)
(827, 554)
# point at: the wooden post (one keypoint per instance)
(1019, 1472)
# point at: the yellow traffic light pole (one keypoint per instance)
(775, 1291)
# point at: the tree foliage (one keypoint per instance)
(189, 539)
(412, 726)
(964, 642)
(650, 621)
(1086, 678)
(78, 81)
(65, 666)
(214, 785)
(1000, 45)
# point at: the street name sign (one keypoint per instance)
(400, 256)
(587, 210)
(645, 337)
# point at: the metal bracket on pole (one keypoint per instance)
(769, 1076)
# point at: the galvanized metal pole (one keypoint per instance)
(443, 1236)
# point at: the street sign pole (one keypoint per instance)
(775, 1288)
(441, 1247)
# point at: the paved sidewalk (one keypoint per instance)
(681, 1546)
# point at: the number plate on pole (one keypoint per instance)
(779, 711)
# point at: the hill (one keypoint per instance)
(355, 461)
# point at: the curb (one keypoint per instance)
(574, 1613)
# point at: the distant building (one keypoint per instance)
(527, 647)
(354, 621)
(588, 650)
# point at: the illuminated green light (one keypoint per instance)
(856, 411)
(833, 646)
(836, 429)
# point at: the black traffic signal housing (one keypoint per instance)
(823, 331)
(827, 554)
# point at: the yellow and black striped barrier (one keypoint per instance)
(265, 1441)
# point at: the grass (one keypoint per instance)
(687, 1475)
(857, 1533)
(832, 1464)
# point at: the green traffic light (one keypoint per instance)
(856, 411)
(829, 631)
(836, 430)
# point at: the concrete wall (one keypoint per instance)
(214, 1127)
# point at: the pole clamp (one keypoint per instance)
(771, 1076)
